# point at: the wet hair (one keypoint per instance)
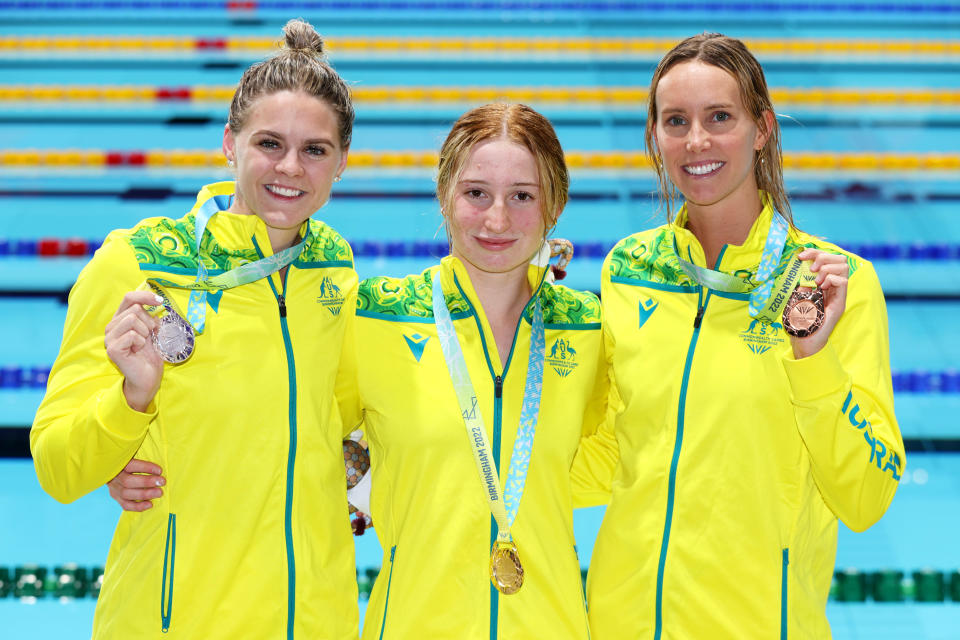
(300, 65)
(519, 124)
(732, 56)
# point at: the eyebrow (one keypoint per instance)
(277, 135)
(709, 107)
(514, 184)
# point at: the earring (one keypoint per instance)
(230, 163)
(336, 178)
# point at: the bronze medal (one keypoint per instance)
(174, 339)
(803, 314)
(506, 571)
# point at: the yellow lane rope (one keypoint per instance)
(413, 159)
(624, 96)
(482, 46)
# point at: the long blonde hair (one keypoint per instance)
(732, 56)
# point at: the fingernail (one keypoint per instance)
(158, 299)
(160, 482)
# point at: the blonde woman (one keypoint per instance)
(752, 362)
(227, 382)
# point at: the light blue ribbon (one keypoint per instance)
(473, 418)
(244, 274)
(769, 259)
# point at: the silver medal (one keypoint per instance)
(174, 338)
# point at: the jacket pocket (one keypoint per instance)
(783, 593)
(166, 587)
(386, 601)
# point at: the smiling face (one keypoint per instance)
(286, 157)
(706, 138)
(496, 223)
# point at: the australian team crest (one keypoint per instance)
(330, 296)
(562, 357)
(760, 337)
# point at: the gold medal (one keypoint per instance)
(506, 571)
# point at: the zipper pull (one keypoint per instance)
(498, 387)
(699, 318)
(283, 306)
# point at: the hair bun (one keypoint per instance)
(300, 35)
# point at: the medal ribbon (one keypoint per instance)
(503, 507)
(244, 274)
(763, 304)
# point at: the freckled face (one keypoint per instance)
(286, 157)
(706, 137)
(496, 224)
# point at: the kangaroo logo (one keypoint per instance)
(330, 296)
(760, 336)
(562, 357)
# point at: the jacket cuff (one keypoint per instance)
(117, 417)
(815, 376)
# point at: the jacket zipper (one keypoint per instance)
(783, 594)
(166, 587)
(281, 297)
(291, 456)
(678, 442)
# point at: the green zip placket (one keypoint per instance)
(497, 424)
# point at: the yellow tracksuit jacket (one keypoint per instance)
(736, 460)
(428, 504)
(251, 538)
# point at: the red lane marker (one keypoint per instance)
(115, 159)
(76, 247)
(212, 43)
(48, 247)
(173, 93)
(237, 5)
(137, 158)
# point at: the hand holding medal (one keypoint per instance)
(129, 342)
(811, 314)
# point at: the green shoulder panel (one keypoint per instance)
(648, 256)
(564, 306)
(326, 246)
(411, 296)
(170, 243)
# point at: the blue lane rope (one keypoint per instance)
(771, 8)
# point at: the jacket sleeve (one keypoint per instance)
(843, 403)
(347, 389)
(595, 462)
(84, 431)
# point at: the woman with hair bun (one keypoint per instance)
(753, 366)
(222, 368)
